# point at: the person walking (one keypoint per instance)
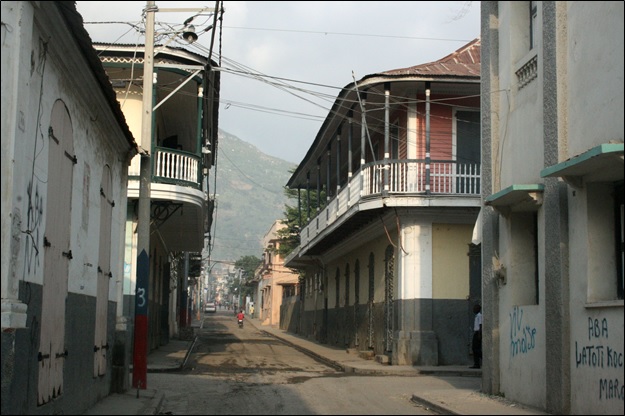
(476, 344)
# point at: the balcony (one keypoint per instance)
(172, 167)
(398, 183)
(179, 203)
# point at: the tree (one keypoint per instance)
(247, 266)
(289, 236)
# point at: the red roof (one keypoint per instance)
(463, 62)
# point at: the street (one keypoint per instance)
(246, 371)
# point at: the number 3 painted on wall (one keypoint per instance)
(141, 295)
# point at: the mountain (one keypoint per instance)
(250, 197)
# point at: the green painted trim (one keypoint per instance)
(510, 191)
(579, 161)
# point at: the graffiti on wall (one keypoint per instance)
(595, 353)
(522, 335)
(34, 221)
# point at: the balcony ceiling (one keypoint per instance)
(355, 223)
(178, 215)
(183, 230)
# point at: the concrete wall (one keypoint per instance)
(553, 325)
(47, 69)
(593, 109)
(424, 329)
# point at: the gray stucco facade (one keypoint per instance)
(553, 308)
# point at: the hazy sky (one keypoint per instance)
(284, 62)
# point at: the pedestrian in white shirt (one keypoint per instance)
(477, 337)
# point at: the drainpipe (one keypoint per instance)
(427, 138)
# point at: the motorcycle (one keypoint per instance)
(240, 323)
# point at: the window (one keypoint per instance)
(533, 23)
(525, 40)
(522, 268)
(604, 234)
(602, 214)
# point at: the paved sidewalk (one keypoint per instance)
(451, 390)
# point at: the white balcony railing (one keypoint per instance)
(405, 177)
(171, 166)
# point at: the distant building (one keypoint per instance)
(274, 281)
(552, 234)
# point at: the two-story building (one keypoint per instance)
(182, 150)
(552, 187)
(388, 259)
(66, 148)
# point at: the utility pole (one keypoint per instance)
(140, 367)
(139, 373)
(239, 298)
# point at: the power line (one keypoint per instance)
(318, 32)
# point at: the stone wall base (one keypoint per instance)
(415, 348)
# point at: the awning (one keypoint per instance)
(517, 198)
(603, 163)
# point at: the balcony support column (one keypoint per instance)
(363, 135)
(338, 160)
(350, 116)
(328, 171)
(387, 93)
(427, 138)
(318, 185)
(307, 197)
(198, 135)
(299, 206)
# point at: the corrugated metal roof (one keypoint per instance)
(75, 25)
(463, 62)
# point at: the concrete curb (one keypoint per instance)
(155, 405)
(428, 405)
(189, 351)
(323, 360)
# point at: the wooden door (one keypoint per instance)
(57, 254)
(104, 274)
